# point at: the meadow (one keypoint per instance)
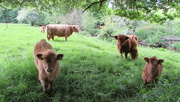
(92, 70)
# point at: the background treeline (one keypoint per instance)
(149, 34)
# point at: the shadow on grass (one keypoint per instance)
(58, 40)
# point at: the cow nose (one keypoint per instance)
(49, 70)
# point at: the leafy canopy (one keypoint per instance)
(150, 10)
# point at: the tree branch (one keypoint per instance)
(94, 3)
(5, 14)
(3, 7)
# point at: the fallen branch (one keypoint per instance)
(171, 39)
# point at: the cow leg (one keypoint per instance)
(48, 37)
(52, 37)
(44, 84)
(126, 55)
(65, 38)
(156, 79)
(51, 87)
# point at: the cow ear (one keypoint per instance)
(160, 61)
(146, 59)
(40, 56)
(59, 56)
(116, 37)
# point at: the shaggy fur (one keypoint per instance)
(46, 61)
(60, 30)
(152, 70)
(127, 45)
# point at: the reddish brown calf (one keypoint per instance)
(152, 70)
(46, 61)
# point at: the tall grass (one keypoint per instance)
(91, 70)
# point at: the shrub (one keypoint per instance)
(176, 45)
(32, 17)
(89, 24)
(152, 34)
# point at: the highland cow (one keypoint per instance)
(127, 45)
(46, 61)
(152, 70)
(60, 30)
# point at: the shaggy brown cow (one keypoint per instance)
(43, 27)
(46, 61)
(60, 30)
(127, 45)
(152, 70)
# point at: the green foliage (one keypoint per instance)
(89, 24)
(116, 25)
(176, 45)
(147, 10)
(132, 9)
(8, 16)
(154, 33)
(91, 70)
(31, 16)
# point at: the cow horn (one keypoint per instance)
(110, 34)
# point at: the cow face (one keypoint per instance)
(49, 61)
(42, 28)
(75, 28)
(153, 62)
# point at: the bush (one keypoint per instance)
(153, 34)
(176, 45)
(32, 17)
(89, 24)
(8, 16)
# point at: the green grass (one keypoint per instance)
(91, 70)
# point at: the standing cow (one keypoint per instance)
(46, 61)
(60, 30)
(127, 45)
(152, 70)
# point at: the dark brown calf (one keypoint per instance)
(127, 45)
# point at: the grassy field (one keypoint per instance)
(91, 70)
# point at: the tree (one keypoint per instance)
(31, 16)
(89, 24)
(72, 18)
(149, 10)
(8, 16)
